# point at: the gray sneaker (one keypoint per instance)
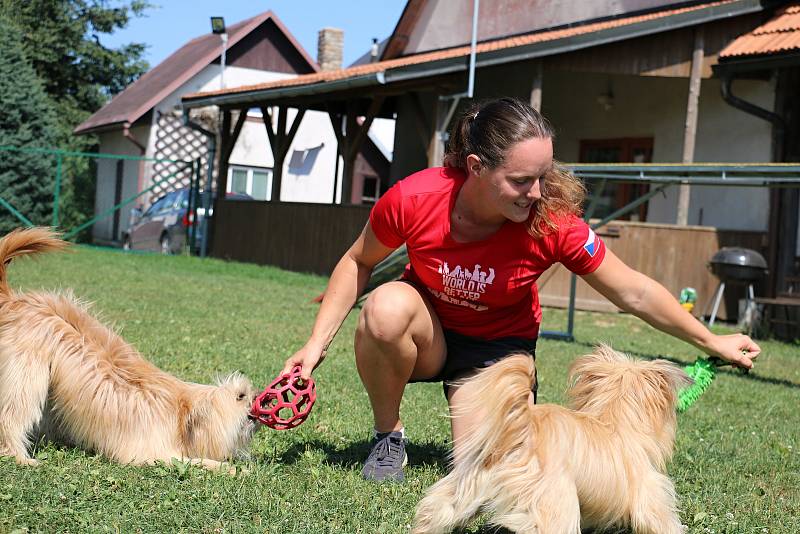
(386, 459)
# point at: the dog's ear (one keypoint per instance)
(595, 379)
(605, 353)
(239, 387)
(595, 367)
(674, 377)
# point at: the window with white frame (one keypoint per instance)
(255, 182)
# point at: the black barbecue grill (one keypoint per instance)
(736, 265)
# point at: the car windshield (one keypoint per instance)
(183, 199)
(155, 207)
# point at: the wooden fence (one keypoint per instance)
(302, 237)
(676, 256)
(311, 238)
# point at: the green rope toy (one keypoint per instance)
(702, 372)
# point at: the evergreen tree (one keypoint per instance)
(26, 120)
(62, 41)
(61, 38)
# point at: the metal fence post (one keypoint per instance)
(57, 192)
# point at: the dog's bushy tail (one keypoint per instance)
(24, 241)
(500, 397)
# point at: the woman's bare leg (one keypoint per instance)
(461, 424)
(398, 338)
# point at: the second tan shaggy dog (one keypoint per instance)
(547, 469)
(66, 375)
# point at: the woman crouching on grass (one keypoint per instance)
(479, 232)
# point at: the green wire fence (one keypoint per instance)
(183, 167)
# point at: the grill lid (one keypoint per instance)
(744, 257)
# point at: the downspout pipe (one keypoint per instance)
(780, 127)
(212, 151)
(728, 96)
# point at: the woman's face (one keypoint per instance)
(511, 189)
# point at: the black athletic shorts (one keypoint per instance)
(466, 354)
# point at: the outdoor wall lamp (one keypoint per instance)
(218, 27)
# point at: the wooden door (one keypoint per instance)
(615, 194)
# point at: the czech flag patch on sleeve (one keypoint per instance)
(591, 243)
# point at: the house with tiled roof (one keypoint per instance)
(641, 81)
(145, 120)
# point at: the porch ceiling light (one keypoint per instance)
(218, 25)
(606, 100)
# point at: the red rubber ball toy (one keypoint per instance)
(286, 402)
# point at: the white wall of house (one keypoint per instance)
(656, 107)
(314, 145)
(311, 182)
(115, 143)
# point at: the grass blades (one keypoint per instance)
(736, 466)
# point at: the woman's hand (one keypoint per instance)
(308, 358)
(737, 349)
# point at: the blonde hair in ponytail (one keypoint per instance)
(488, 129)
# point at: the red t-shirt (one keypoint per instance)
(485, 289)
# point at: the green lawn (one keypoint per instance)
(737, 465)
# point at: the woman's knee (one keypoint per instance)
(388, 312)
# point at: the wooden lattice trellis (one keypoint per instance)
(174, 141)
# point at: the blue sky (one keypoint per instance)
(171, 23)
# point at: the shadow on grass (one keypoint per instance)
(354, 454)
(419, 454)
(722, 370)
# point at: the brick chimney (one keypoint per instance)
(329, 48)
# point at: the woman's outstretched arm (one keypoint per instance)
(642, 296)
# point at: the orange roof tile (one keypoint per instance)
(498, 44)
(780, 34)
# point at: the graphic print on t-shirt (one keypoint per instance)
(464, 285)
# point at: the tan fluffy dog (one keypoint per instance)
(546, 469)
(68, 376)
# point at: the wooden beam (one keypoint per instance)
(405, 26)
(234, 136)
(287, 141)
(423, 129)
(281, 132)
(690, 129)
(435, 143)
(266, 116)
(336, 123)
(363, 130)
(227, 143)
(222, 172)
(280, 140)
(351, 127)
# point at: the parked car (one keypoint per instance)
(165, 226)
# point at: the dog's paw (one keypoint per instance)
(30, 462)
(238, 470)
(230, 469)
